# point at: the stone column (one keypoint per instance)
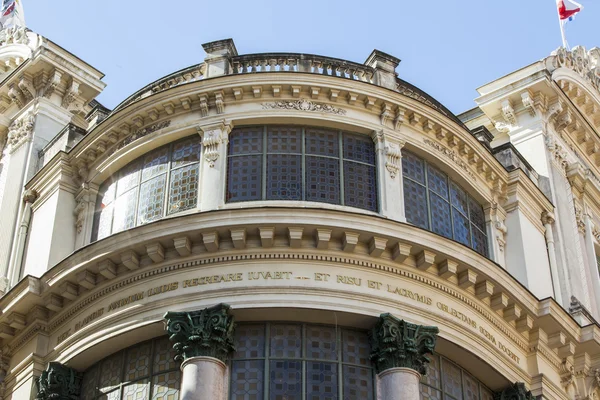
(203, 340)
(399, 351)
(58, 382)
(215, 138)
(516, 391)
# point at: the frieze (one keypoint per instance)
(452, 155)
(303, 105)
(143, 132)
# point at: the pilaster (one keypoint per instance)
(58, 382)
(213, 170)
(389, 170)
(218, 57)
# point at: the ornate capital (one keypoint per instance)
(58, 382)
(207, 333)
(20, 132)
(516, 391)
(399, 344)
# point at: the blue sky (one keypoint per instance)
(447, 48)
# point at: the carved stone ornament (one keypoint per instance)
(143, 132)
(211, 142)
(304, 105)
(558, 153)
(207, 333)
(399, 344)
(579, 219)
(585, 63)
(516, 391)
(393, 156)
(20, 132)
(15, 35)
(80, 214)
(452, 155)
(58, 382)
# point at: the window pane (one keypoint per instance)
(428, 393)
(440, 216)
(244, 178)
(476, 214)
(471, 387)
(164, 355)
(249, 341)
(183, 189)
(432, 378)
(321, 381)
(360, 186)
(461, 228)
(185, 152)
(286, 341)
(413, 167)
(358, 383)
(247, 140)
(322, 142)
(284, 139)
(323, 180)
(138, 362)
(130, 177)
(359, 148)
(125, 211)
(104, 218)
(166, 386)
(321, 343)
(155, 163)
(486, 394)
(356, 347)
(452, 380)
(110, 373)
(152, 199)
(479, 241)
(285, 381)
(284, 177)
(437, 181)
(89, 383)
(415, 204)
(108, 191)
(458, 198)
(136, 391)
(247, 380)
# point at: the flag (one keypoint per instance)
(567, 9)
(11, 14)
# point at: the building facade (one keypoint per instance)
(294, 226)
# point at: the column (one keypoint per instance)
(399, 351)
(516, 391)
(203, 341)
(389, 171)
(213, 180)
(58, 382)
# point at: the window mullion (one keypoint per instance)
(429, 216)
(266, 365)
(139, 187)
(303, 355)
(264, 164)
(340, 363)
(303, 164)
(341, 155)
(450, 205)
(168, 181)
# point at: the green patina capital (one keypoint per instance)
(399, 344)
(207, 333)
(58, 382)
(516, 391)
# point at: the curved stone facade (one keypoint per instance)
(296, 225)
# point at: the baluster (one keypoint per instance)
(273, 64)
(263, 65)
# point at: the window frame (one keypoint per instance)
(303, 359)
(341, 158)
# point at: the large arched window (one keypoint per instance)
(436, 203)
(302, 163)
(142, 372)
(160, 183)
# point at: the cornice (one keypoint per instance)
(524, 195)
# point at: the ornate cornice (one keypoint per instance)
(58, 382)
(585, 63)
(207, 333)
(396, 343)
(516, 391)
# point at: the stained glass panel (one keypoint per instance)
(479, 240)
(129, 178)
(321, 381)
(164, 356)
(429, 393)
(321, 343)
(137, 363)
(476, 214)
(437, 182)
(247, 140)
(285, 380)
(124, 211)
(244, 179)
(360, 186)
(284, 139)
(250, 341)
(284, 177)
(486, 394)
(152, 199)
(359, 148)
(413, 167)
(286, 341)
(441, 222)
(323, 180)
(185, 152)
(104, 221)
(322, 142)
(136, 391)
(356, 348)
(451, 377)
(110, 373)
(166, 386)
(90, 383)
(415, 203)
(471, 387)
(432, 378)
(155, 163)
(358, 383)
(461, 228)
(458, 198)
(183, 189)
(247, 380)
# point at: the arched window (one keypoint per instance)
(160, 183)
(302, 163)
(434, 202)
(142, 372)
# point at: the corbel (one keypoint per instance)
(267, 236)
(203, 104)
(467, 280)
(156, 252)
(107, 269)
(295, 236)
(53, 83)
(276, 90)
(86, 279)
(400, 117)
(257, 91)
(386, 113)
(349, 241)
(314, 92)
(220, 101)
(352, 97)
(369, 102)
(71, 94)
(153, 114)
(183, 245)
(169, 108)
(333, 95)
(414, 119)
(528, 102)
(425, 259)
(401, 251)
(238, 238)
(508, 112)
(238, 93)
(186, 103)
(447, 269)
(296, 89)
(138, 121)
(377, 246)
(16, 95)
(130, 260)
(26, 86)
(428, 125)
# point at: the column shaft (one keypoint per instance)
(399, 384)
(203, 378)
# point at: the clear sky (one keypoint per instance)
(448, 47)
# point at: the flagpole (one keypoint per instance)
(562, 28)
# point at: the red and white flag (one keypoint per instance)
(567, 9)
(11, 14)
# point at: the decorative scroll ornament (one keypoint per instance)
(393, 156)
(585, 63)
(303, 105)
(211, 142)
(143, 132)
(58, 382)
(207, 333)
(80, 214)
(558, 152)
(579, 219)
(14, 35)
(20, 132)
(516, 391)
(399, 344)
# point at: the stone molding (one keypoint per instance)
(396, 343)
(20, 132)
(516, 391)
(204, 333)
(58, 382)
(585, 63)
(303, 105)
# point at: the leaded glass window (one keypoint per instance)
(446, 380)
(302, 163)
(162, 182)
(434, 202)
(146, 371)
(299, 361)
